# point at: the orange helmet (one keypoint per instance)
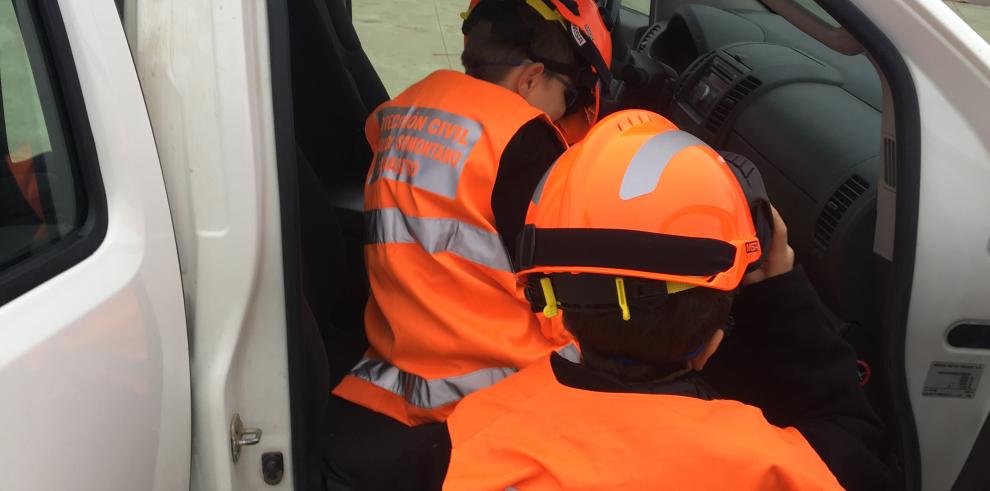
(637, 210)
(591, 38)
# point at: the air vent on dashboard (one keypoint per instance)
(647, 37)
(689, 74)
(725, 105)
(724, 71)
(836, 207)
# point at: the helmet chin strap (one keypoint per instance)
(585, 292)
(586, 48)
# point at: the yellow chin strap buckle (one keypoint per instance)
(620, 288)
(550, 310)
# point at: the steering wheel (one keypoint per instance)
(648, 82)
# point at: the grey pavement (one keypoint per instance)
(408, 39)
(976, 13)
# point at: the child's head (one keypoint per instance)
(640, 234)
(681, 333)
(500, 48)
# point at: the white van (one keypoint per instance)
(181, 280)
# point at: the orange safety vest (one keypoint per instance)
(24, 174)
(532, 432)
(446, 316)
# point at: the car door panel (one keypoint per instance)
(94, 357)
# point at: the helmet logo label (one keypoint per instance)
(578, 37)
(753, 247)
(425, 148)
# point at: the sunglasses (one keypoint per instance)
(570, 91)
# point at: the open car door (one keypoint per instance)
(94, 366)
(942, 229)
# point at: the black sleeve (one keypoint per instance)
(785, 358)
(527, 156)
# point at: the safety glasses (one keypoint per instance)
(572, 94)
(570, 91)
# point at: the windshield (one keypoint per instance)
(814, 8)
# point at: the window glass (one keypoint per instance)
(976, 13)
(641, 6)
(817, 10)
(40, 203)
(429, 34)
(407, 40)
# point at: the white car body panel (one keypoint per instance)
(93, 362)
(204, 68)
(950, 64)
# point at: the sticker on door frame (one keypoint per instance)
(952, 379)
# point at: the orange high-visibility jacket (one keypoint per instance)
(530, 432)
(22, 168)
(446, 316)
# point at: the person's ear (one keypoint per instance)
(698, 362)
(528, 79)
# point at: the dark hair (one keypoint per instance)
(653, 342)
(501, 38)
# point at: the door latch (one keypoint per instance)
(241, 436)
(272, 467)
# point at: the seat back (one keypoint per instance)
(335, 283)
(335, 88)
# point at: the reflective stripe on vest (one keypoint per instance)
(431, 394)
(570, 353)
(426, 148)
(391, 226)
(427, 394)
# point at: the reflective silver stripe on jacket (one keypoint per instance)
(643, 173)
(431, 394)
(391, 226)
(570, 353)
(538, 192)
(426, 394)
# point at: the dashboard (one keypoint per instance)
(810, 118)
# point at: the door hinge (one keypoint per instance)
(241, 436)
